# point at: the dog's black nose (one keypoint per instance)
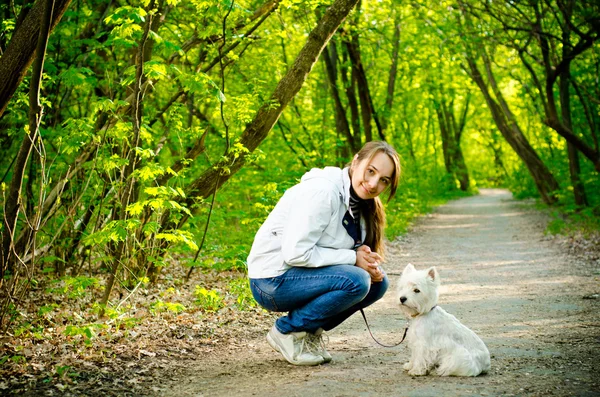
(402, 299)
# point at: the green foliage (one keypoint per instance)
(240, 288)
(159, 306)
(91, 224)
(73, 287)
(65, 371)
(84, 332)
(209, 301)
(569, 221)
(17, 359)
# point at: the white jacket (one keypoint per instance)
(305, 227)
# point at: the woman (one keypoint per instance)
(317, 254)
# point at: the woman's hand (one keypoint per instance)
(369, 261)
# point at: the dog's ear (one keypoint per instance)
(433, 275)
(408, 269)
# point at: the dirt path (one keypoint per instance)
(533, 306)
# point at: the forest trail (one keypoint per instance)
(532, 304)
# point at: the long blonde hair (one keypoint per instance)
(372, 209)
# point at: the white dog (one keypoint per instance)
(436, 338)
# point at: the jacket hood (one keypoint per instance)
(338, 177)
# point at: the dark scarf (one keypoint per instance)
(352, 223)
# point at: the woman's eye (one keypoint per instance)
(371, 172)
(385, 182)
(416, 290)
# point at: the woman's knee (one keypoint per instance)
(361, 280)
(377, 291)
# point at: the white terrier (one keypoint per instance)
(435, 337)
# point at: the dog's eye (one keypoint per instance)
(416, 290)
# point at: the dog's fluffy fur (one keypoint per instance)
(436, 339)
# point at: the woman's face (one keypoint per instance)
(372, 176)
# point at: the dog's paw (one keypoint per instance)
(417, 372)
(407, 366)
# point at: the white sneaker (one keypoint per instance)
(295, 347)
(318, 345)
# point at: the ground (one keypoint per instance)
(532, 304)
(532, 299)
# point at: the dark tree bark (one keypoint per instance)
(554, 71)
(506, 123)
(20, 52)
(451, 131)
(389, 98)
(504, 118)
(565, 108)
(526, 24)
(341, 121)
(350, 89)
(13, 203)
(367, 107)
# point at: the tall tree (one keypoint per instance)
(452, 128)
(392, 77)
(9, 258)
(541, 33)
(507, 124)
(20, 51)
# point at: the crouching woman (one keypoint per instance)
(317, 255)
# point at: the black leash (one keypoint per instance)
(379, 343)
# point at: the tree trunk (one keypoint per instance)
(350, 88)
(554, 71)
(462, 172)
(364, 94)
(544, 180)
(451, 132)
(565, 108)
(13, 201)
(341, 122)
(445, 134)
(363, 97)
(389, 99)
(573, 154)
(20, 51)
(129, 192)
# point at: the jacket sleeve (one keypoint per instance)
(310, 214)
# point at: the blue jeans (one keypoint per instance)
(317, 297)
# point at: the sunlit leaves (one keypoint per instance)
(126, 15)
(77, 77)
(160, 198)
(156, 70)
(113, 231)
(111, 163)
(245, 107)
(178, 236)
(7, 26)
(76, 134)
(120, 131)
(208, 300)
(304, 4)
(126, 22)
(149, 172)
(202, 84)
(108, 105)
